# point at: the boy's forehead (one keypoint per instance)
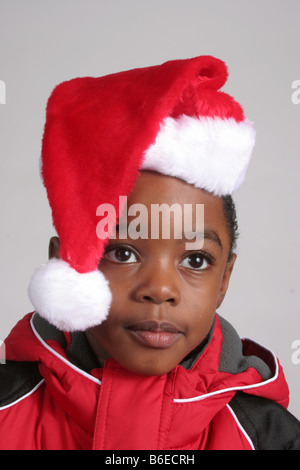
(155, 188)
(166, 207)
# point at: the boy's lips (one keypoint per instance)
(155, 334)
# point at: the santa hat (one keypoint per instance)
(99, 133)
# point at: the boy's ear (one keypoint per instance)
(225, 280)
(54, 247)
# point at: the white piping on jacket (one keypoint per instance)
(230, 389)
(176, 400)
(23, 397)
(241, 427)
(68, 363)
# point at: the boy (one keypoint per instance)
(125, 349)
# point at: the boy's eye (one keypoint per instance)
(121, 255)
(195, 261)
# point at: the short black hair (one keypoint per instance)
(231, 220)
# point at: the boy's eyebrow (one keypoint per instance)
(208, 234)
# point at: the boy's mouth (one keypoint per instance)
(155, 334)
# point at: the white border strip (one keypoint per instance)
(208, 152)
(23, 397)
(68, 363)
(241, 427)
(230, 389)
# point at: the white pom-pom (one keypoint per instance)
(67, 299)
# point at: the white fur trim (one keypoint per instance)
(67, 299)
(210, 153)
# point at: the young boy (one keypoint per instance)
(125, 349)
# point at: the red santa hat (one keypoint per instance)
(99, 133)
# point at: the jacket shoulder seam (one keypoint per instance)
(241, 427)
(269, 425)
(18, 380)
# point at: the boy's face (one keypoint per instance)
(164, 295)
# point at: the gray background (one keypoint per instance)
(45, 42)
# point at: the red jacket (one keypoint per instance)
(53, 396)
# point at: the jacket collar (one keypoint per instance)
(235, 355)
(221, 362)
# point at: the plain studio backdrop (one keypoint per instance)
(44, 43)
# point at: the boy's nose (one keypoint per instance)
(158, 286)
